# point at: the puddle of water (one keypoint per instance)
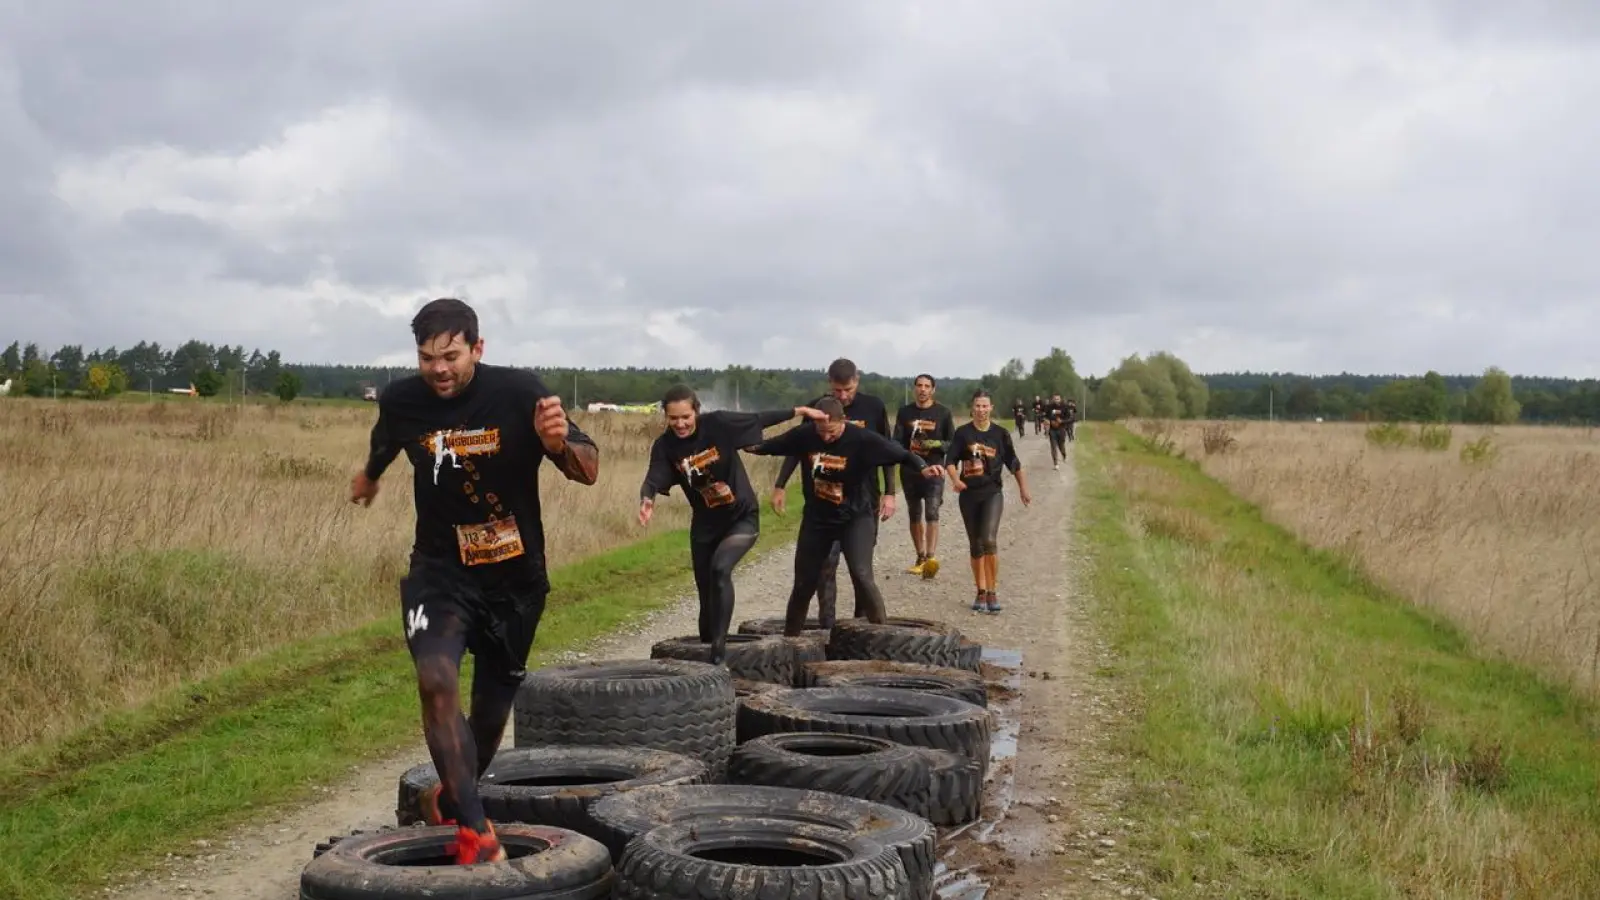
(999, 787)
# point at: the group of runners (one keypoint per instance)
(1056, 417)
(477, 433)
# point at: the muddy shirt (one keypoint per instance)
(1055, 415)
(706, 467)
(864, 411)
(979, 457)
(475, 469)
(837, 476)
(924, 432)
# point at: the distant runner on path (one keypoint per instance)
(1055, 414)
(924, 427)
(979, 454)
(699, 452)
(477, 580)
(841, 460)
(1020, 413)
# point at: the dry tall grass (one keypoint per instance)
(1500, 529)
(146, 543)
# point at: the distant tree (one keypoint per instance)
(287, 387)
(1304, 400)
(11, 360)
(207, 382)
(104, 379)
(1491, 400)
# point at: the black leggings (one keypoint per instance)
(816, 546)
(981, 514)
(1058, 444)
(714, 557)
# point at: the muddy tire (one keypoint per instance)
(775, 626)
(324, 846)
(808, 648)
(753, 657)
(411, 862)
(744, 687)
(970, 655)
(628, 815)
(555, 785)
(954, 791)
(854, 765)
(942, 680)
(898, 640)
(906, 717)
(758, 859)
(667, 704)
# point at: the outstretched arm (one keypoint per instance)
(573, 452)
(789, 444)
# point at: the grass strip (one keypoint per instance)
(1304, 733)
(117, 797)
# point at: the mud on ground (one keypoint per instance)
(1059, 835)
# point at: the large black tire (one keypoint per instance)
(545, 863)
(555, 785)
(898, 640)
(748, 858)
(970, 656)
(954, 794)
(743, 687)
(754, 657)
(943, 680)
(668, 704)
(628, 815)
(776, 626)
(906, 717)
(854, 765)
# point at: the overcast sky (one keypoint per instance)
(1365, 186)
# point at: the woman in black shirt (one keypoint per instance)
(700, 454)
(979, 453)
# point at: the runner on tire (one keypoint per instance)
(1020, 413)
(923, 427)
(865, 411)
(979, 453)
(475, 435)
(699, 452)
(1055, 414)
(842, 460)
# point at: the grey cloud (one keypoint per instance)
(1306, 180)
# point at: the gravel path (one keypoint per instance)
(1058, 838)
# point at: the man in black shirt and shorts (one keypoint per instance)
(475, 435)
(924, 427)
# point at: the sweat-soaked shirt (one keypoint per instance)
(706, 467)
(979, 457)
(838, 475)
(925, 432)
(475, 470)
(864, 411)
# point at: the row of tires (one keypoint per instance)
(796, 770)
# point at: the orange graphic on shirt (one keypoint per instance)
(977, 459)
(919, 428)
(824, 488)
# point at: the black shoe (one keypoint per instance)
(993, 602)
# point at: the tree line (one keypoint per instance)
(1159, 384)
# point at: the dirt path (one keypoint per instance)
(1058, 837)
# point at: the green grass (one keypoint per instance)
(1303, 733)
(264, 736)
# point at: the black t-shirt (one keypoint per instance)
(924, 432)
(979, 457)
(475, 462)
(1018, 410)
(864, 411)
(706, 467)
(1056, 415)
(837, 476)
(1038, 409)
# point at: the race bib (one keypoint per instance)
(489, 542)
(717, 494)
(831, 491)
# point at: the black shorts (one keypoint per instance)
(447, 610)
(924, 496)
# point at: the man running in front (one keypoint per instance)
(864, 411)
(477, 579)
(924, 427)
(1055, 414)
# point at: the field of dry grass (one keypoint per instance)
(1499, 530)
(148, 543)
